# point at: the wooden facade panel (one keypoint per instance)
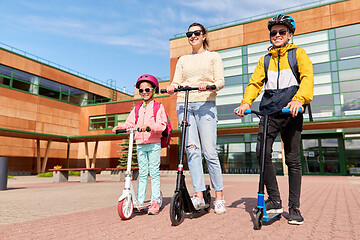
(17, 123)
(19, 62)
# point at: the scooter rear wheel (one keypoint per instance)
(176, 209)
(258, 220)
(207, 198)
(125, 208)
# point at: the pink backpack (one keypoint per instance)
(166, 134)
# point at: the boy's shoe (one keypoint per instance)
(197, 202)
(220, 206)
(154, 208)
(295, 216)
(273, 206)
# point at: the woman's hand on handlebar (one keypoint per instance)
(202, 86)
(116, 128)
(241, 109)
(144, 128)
(170, 89)
(294, 107)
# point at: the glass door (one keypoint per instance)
(323, 154)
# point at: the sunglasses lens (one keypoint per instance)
(273, 33)
(282, 33)
(141, 90)
(197, 33)
(147, 89)
(189, 34)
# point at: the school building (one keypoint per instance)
(52, 115)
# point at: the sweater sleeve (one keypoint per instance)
(306, 88)
(218, 72)
(130, 120)
(256, 83)
(161, 120)
(178, 76)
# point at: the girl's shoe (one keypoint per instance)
(197, 202)
(220, 206)
(154, 208)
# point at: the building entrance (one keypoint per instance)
(323, 154)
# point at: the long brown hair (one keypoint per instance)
(204, 30)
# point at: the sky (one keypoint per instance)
(116, 40)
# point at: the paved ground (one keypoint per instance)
(36, 208)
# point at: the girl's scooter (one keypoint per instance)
(127, 201)
(181, 201)
(260, 210)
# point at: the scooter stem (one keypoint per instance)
(128, 167)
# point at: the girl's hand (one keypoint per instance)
(116, 128)
(241, 109)
(202, 86)
(143, 128)
(170, 89)
(294, 107)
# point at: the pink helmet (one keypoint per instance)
(148, 78)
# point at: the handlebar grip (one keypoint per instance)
(245, 112)
(120, 131)
(287, 110)
(211, 87)
(163, 91)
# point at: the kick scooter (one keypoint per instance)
(260, 210)
(181, 201)
(127, 201)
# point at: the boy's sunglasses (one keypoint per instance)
(282, 33)
(146, 90)
(196, 32)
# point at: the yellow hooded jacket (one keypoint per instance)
(281, 86)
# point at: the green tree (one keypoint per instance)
(124, 149)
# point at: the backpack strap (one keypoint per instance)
(293, 63)
(266, 64)
(156, 109)
(137, 108)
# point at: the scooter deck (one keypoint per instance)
(142, 206)
(205, 206)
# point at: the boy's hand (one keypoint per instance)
(116, 128)
(294, 107)
(202, 86)
(170, 89)
(241, 109)
(143, 128)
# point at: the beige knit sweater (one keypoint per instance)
(193, 69)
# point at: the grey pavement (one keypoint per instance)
(36, 208)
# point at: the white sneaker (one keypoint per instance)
(197, 202)
(220, 207)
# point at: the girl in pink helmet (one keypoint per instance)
(148, 142)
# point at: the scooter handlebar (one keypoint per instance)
(182, 88)
(284, 111)
(134, 129)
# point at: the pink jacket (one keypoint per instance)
(146, 117)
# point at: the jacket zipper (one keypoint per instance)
(278, 69)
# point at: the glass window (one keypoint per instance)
(231, 52)
(4, 81)
(348, 30)
(226, 109)
(24, 86)
(321, 67)
(231, 71)
(322, 89)
(349, 64)
(228, 99)
(322, 100)
(230, 62)
(349, 53)
(233, 89)
(310, 38)
(349, 74)
(98, 122)
(258, 47)
(23, 76)
(316, 47)
(322, 78)
(4, 70)
(319, 57)
(49, 84)
(348, 42)
(350, 86)
(233, 80)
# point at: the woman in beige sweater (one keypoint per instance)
(201, 68)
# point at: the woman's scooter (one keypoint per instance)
(260, 210)
(181, 201)
(127, 201)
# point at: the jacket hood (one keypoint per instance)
(275, 51)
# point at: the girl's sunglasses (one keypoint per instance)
(282, 33)
(146, 90)
(196, 32)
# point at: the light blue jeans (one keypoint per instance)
(148, 156)
(202, 117)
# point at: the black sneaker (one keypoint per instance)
(295, 216)
(273, 206)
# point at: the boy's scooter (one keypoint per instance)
(181, 201)
(261, 214)
(127, 201)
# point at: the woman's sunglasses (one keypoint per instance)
(146, 90)
(282, 33)
(196, 32)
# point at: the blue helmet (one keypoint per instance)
(282, 19)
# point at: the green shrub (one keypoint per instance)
(50, 174)
(10, 176)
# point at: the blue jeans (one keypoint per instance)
(202, 117)
(148, 156)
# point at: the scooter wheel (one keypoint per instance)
(125, 208)
(258, 220)
(176, 209)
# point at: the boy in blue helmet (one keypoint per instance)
(282, 90)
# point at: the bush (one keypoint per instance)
(50, 174)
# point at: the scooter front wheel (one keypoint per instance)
(125, 208)
(176, 209)
(258, 220)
